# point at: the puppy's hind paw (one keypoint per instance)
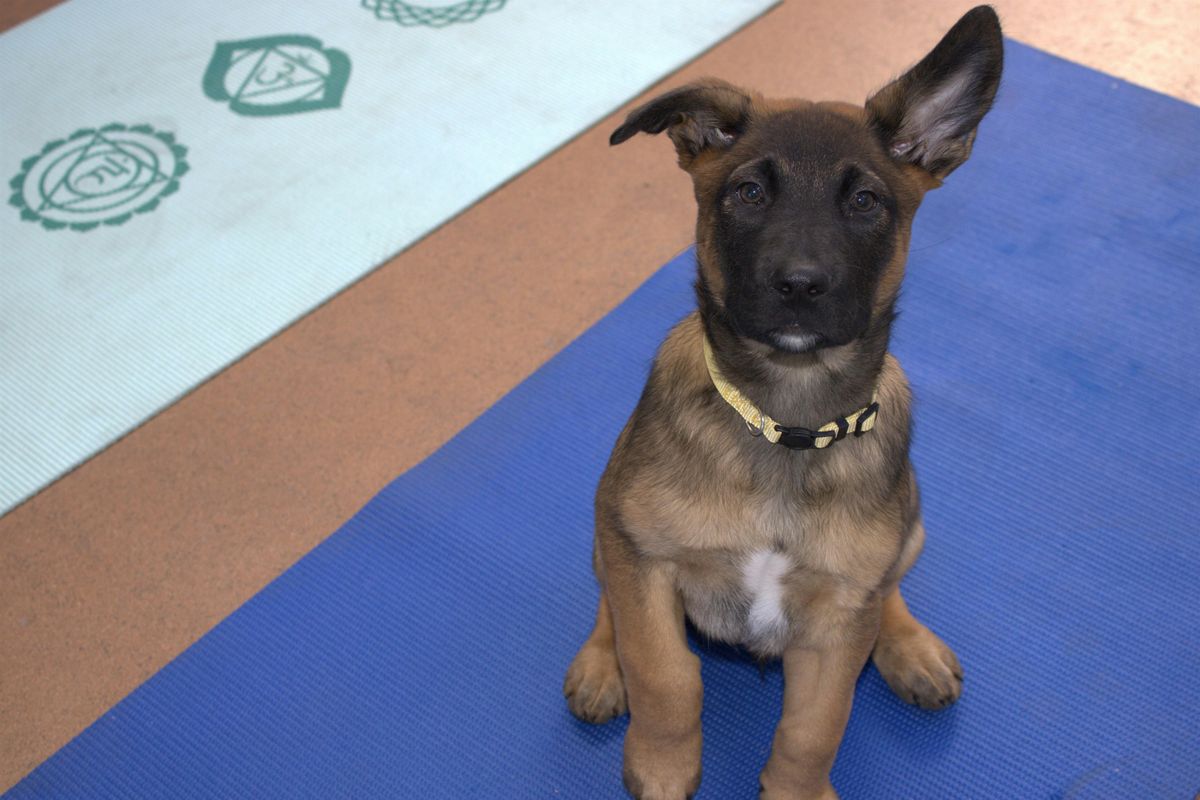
(919, 667)
(593, 687)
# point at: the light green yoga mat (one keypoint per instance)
(187, 178)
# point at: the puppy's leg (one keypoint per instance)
(918, 665)
(594, 688)
(662, 676)
(818, 692)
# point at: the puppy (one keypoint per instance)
(762, 488)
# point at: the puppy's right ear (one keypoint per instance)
(705, 115)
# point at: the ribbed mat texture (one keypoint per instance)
(1049, 327)
(183, 180)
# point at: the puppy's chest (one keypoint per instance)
(765, 598)
(759, 569)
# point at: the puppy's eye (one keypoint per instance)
(864, 201)
(751, 193)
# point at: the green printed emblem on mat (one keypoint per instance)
(272, 75)
(98, 176)
(432, 13)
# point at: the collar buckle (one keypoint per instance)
(796, 438)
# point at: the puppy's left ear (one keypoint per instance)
(929, 115)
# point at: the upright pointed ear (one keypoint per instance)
(701, 116)
(929, 115)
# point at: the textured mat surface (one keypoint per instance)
(186, 179)
(1048, 328)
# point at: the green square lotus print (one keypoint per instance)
(275, 75)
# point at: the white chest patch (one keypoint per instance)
(762, 578)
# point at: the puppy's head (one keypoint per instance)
(805, 208)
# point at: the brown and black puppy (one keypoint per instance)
(794, 548)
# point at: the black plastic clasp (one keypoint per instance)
(796, 438)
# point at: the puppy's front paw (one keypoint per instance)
(593, 687)
(919, 667)
(657, 770)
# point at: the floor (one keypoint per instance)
(114, 569)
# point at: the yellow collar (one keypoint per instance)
(760, 424)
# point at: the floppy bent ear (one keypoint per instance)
(929, 115)
(707, 114)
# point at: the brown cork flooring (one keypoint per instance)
(113, 570)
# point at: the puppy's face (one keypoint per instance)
(800, 220)
(805, 208)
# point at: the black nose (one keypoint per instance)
(801, 283)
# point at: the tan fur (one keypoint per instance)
(704, 493)
(686, 495)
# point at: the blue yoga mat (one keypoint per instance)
(1049, 328)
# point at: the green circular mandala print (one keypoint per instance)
(432, 13)
(98, 176)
